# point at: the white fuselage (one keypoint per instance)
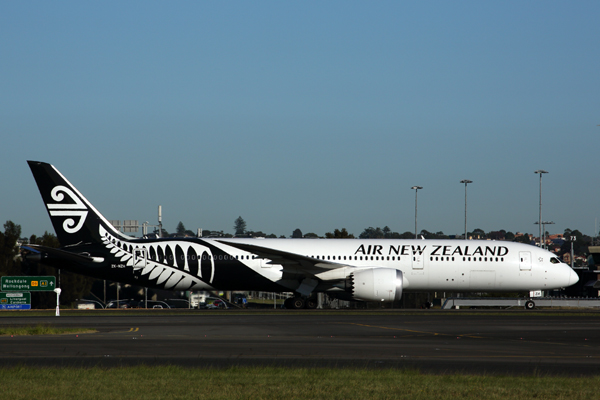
(449, 265)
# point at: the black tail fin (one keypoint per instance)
(74, 219)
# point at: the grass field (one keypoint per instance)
(280, 383)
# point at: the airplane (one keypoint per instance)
(347, 269)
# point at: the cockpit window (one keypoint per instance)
(555, 260)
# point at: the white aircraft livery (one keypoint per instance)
(349, 269)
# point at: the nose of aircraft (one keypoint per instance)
(573, 278)
(563, 276)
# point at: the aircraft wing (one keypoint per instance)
(291, 262)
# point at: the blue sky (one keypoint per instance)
(305, 114)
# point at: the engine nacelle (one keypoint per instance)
(377, 284)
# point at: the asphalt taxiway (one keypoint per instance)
(561, 343)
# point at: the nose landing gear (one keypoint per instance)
(529, 305)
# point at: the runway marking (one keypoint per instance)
(413, 331)
(133, 329)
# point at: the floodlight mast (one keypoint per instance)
(466, 181)
(540, 171)
(416, 189)
(544, 223)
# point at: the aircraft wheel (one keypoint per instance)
(298, 303)
(311, 304)
(529, 305)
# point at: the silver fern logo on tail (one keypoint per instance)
(73, 210)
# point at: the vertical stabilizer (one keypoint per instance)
(74, 219)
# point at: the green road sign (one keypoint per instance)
(15, 301)
(28, 283)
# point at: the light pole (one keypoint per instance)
(573, 238)
(416, 189)
(540, 171)
(466, 181)
(544, 223)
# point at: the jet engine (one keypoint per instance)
(376, 284)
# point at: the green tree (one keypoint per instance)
(180, 229)
(522, 239)
(385, 233)
(337, 234)
(297, 234)
(239, 225)
(580, 245)
(478, 234)
(430, 235)
(257, 234)
(311, 235)
(9, 252)
(372, 233)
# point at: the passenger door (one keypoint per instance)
(139, 257)
(525, 260)
(417, 262)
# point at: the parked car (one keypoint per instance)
(216, 303)
(125, 303)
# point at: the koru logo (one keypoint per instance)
(77, 210)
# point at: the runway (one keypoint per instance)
(515, 343)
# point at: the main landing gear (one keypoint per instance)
(297, 303)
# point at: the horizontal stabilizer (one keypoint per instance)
(50, 252)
